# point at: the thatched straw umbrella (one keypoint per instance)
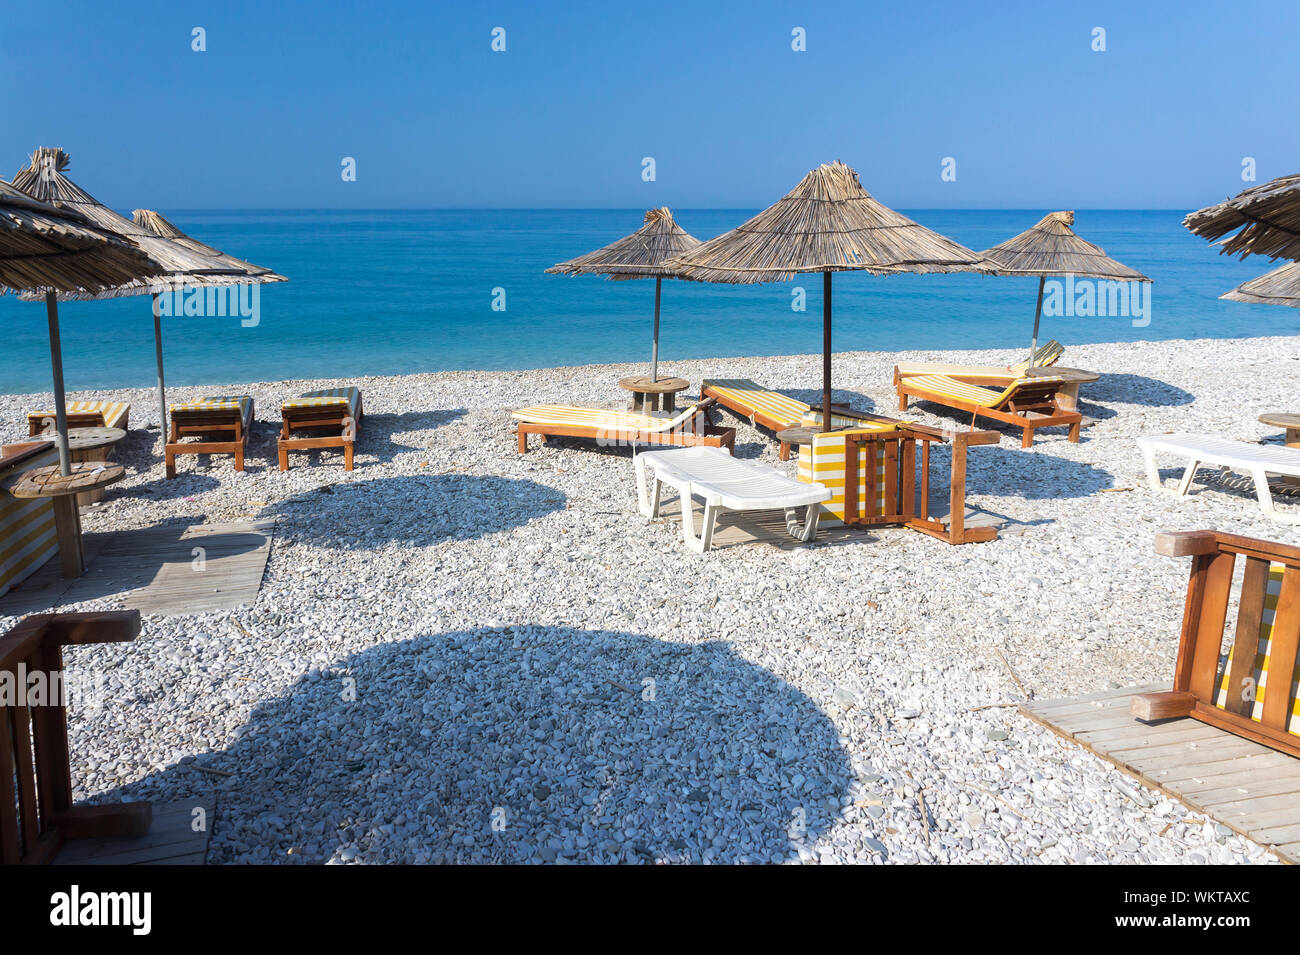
(1267, 215)
(1279, 287)
(1051, 248)
(639, 255)
(186, 263)
(828, 223)
(45, 251)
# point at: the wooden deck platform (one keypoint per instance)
(157, 570)
(171, 840)
(1248, 787)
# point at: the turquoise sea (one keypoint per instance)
(396, 292)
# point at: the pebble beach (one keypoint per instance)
(463, 654)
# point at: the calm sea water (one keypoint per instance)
(381, 293)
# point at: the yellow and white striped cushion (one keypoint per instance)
(216, 403)
(822, 462)
(749, 397)
(1048, 354)
(950, 387)
(1260, 672)
(599, 419)
(27, 535)
(113, 414)
(327, 398)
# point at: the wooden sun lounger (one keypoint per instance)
(1027, 403)
(724, 484)
(221, 424)
(36, 810)
(82, 414)
(333, 410)
(1257, 460)
(1250, 690)
(1046, 355)
(766, 408)
(610, 428)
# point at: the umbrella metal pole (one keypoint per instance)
(56, 366)
(1038, 313)
(826, 351)
(654, 349)
(157, 349)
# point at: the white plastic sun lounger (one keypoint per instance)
(725, 484)
(1257, 460)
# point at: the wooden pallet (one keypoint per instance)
(1250, 788)
(171, 840)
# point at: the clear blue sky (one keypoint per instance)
(733, 117)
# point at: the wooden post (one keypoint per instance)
(826, 351)
(654, 349)
(158, 358)
(1038, 313)
(56, 366)
(957, 491)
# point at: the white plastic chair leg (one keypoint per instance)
(688, 522)
(710, 519)
(1153, 473)
(1185, 484)
(1262, 491)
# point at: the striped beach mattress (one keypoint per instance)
(1260, 676)
(749, 398)
(349, 398)
(822, 462)
(94, 414)
(602, 419)
(241, 403)
(949, 387)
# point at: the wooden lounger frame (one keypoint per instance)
(696, 430)
(752, 415)
(1200, 645)
(334, 417)
(1033, 405)
(902, 480)
(219, 432)
(36, 811)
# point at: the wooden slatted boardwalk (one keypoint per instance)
(171, 839)
(172, 569)
(1246, 786)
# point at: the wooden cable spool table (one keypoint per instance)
(1291, 423)
(63, 490)
(653, 394)
(1073, 377)
(93, 444)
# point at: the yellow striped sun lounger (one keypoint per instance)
(611, 426)
(1045, 356)
(336, 411)
(1027, 403)
(822, 462)
(27, 535)
(763, 406)
(82, 414)
(220, 422)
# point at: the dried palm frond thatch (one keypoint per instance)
(44, 248)
(183, 265)
(1051, 247)
(639, 255)
(827, 223)
(1279, 287)
(1268, 216)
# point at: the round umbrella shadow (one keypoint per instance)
(1133, 390)
(526, 744)
(415, 510)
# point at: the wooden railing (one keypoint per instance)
(36, 811)
(1199, 677)
(906, 474)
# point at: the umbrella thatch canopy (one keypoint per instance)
(1279, 287)
(43, 247)
(45, 251)
(642, 254)
(1267, 215)
(1050, 248)
(828, 223)
(186, 265)
(186, 262)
